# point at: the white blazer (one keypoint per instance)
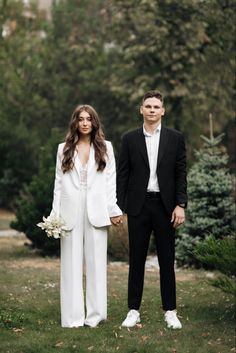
(101, 190)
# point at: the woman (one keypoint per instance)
(85, 198)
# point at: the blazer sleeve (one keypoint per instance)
(57, 184)
(113, 208)
(123, 173)
(181, 174)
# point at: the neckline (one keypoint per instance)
(84, 166)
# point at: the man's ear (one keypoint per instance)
(163, 112)
(141, 109)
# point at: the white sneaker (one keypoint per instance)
(172, 319)
(132, 318)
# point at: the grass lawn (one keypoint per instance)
(30, 316)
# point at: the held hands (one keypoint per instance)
(178, 216)
(116, 220)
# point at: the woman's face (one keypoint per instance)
(85, 123)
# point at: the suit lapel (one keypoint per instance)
(91, 160)
(75, 173)
(142, 145)
(91, 167)
(163, 143)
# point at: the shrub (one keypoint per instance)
(36, 200)
(118, 243)
(220, 254)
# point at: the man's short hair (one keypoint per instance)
(153, 93)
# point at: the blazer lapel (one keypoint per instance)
(75, 173)
(91, 167)
(163, 143)
(142, 145)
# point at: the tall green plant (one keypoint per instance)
(220, 254)
(36, 199)
(211, 206)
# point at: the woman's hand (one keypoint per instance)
(116, 220)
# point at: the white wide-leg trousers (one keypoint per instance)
(88, 243)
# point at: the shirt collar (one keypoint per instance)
(147, 134)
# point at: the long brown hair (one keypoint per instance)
(73, 136)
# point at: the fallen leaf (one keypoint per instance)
(90, 348)
(17, 330)
(59, 344)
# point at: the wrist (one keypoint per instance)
(182, 205)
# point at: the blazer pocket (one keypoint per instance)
(98, 210)
(68, 212)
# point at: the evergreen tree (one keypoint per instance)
(211, 207)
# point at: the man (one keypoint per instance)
(152, 190)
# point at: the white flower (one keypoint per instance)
(54, 226)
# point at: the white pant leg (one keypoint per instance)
(72, 298)
(95, 244)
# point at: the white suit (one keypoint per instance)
(86, 213)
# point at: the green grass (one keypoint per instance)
(30, 315)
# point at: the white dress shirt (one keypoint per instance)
(152, 143)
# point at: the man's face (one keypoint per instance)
(152, 110)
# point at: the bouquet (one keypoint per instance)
(54, 226)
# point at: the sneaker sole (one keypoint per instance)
(174, 328)
(137, 322)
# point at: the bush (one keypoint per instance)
(18, 147)
(220, 254)
(118, 242)
(36, 200)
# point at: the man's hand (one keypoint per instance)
(116, 220)
(178, 216)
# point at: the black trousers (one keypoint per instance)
(153, 217)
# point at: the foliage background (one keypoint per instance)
(108, 53)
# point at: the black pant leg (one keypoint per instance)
(165, 244)
(139, 236)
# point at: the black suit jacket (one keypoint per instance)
(133, 170)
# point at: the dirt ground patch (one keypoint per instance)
(7, 243)
(5, 214)
(17, 244)
(35, 263)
